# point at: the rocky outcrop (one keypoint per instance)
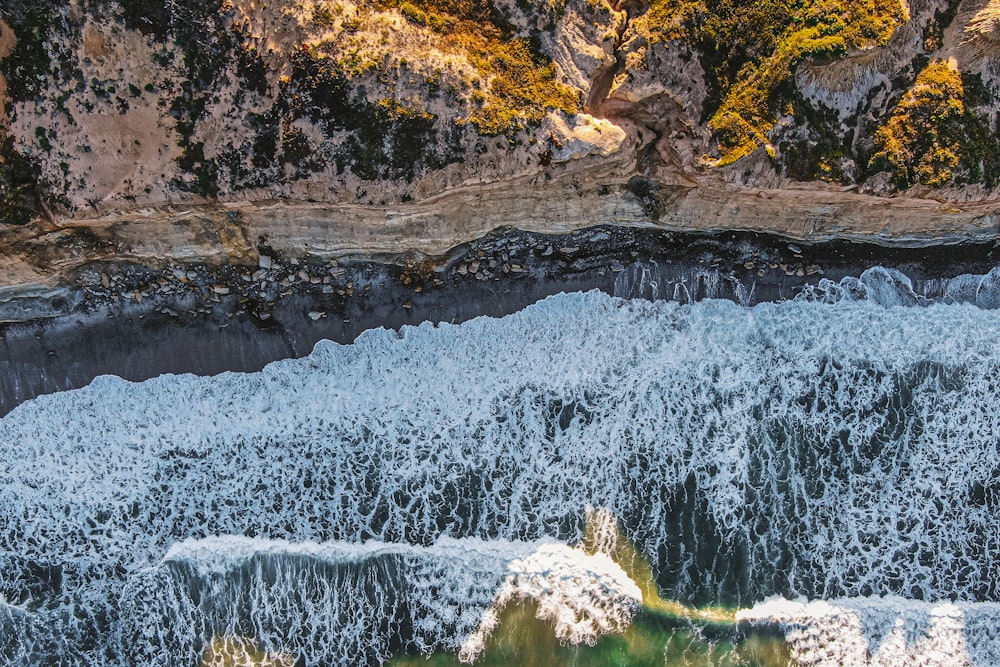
(38, 259)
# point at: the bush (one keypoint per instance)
(932, 137)
(749, 52)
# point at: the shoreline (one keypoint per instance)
(138, 322)
(39, 261)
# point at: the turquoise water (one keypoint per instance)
(651, 641)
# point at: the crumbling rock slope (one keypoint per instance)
(362, 126)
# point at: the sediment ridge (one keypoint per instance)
(43, 259)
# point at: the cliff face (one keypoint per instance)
(159, 131)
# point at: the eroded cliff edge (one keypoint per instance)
(183, 132)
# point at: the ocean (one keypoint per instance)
(591, 480)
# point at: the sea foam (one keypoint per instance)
(884, 631)
(353, 604)
(826, 447)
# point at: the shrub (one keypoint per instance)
(932, 137)
(749, 52)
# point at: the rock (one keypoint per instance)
(988, 290)
(220, 289)
(548, 251)
(581, 135)
(265, 262)
(316, 314)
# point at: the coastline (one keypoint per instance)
(137, 321)
(41, 262)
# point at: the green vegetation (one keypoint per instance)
(921, 142)
(387, 139)
(18, 184)
(749, 52)
(204, 34)
(517, 85)
(934, 30)
(24, 70)
(26, 67)
(933, 137)
(981, 145)
(520, 91)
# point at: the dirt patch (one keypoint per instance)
(7, 42)
(94, 45)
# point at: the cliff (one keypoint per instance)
(197, 131)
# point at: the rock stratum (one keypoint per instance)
(187, 132)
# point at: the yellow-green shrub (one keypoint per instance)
(749, 50)
(922, 142)
(516, 87)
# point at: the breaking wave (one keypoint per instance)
(351, 604)
(827, 447)
(884, 631)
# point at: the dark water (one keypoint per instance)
(374, 498)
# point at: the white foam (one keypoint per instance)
(884, 632)
(294, 596)
(583, 595)
(828, 450)
(335, 603)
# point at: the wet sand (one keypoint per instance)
(138, 323)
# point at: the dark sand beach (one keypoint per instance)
(137, 323)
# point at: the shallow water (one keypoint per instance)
(650, 641)
(379, 495)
